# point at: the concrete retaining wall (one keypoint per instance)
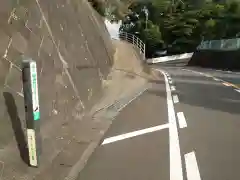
(216, 59)
(73, 51)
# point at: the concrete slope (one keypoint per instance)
(74, 53)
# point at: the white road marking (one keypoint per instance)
(238, 90)
(170, 81)
(216, 79)
(134, 134)
(192, 167)
(176, 172)
(175, 99)
(181, 120)
(173, 88)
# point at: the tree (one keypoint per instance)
(182, 25)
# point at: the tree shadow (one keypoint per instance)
(203, 92)
(16, 125)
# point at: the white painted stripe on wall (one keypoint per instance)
(226, 84)
(170, 58)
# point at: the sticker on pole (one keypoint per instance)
(32, 147)
(34, 86)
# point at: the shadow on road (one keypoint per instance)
(16, 125)
(203, 92)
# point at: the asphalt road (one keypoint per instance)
(184, 127)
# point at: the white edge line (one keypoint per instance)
(134, 134)
(176, 172)
(181, 120)
(175, 99)
(192, 167)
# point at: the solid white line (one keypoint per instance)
(134, 134)
(238, 90)
(181, 120)
(192, 167)
(176, 172)
(175, 99)
(173, 88)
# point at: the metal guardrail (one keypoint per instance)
(131, 38)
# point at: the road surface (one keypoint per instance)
(185, 126)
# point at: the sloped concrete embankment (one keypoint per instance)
(74, 53)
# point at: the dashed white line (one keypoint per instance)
(173, 88)
(170, 81)
(181, 120)
(176, 172)
(216, 79)
(134, 134)
(175, 99)
(192, 167)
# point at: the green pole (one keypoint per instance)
(32, 111)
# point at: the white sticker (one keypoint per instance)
(34, 86)
(32, 147)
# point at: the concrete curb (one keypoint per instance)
(114, 109)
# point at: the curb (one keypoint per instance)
(114, 110)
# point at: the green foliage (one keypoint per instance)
(98, 6)
(113, 10)
(182, 25)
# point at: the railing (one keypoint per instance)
(223, 44)
(131, 38)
